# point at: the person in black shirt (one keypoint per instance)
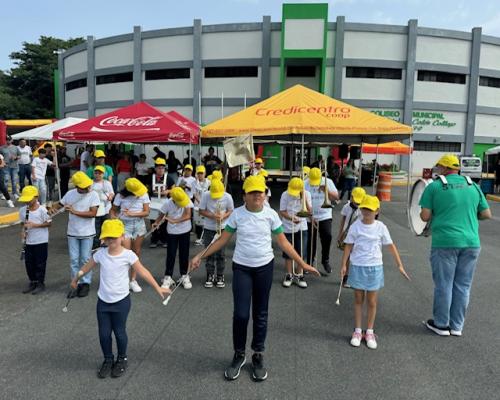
(173, 166)
(189, 160)
(51, 172)
(211, 161)
(159, 153)
(64, 164)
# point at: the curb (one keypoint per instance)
(8, 219)
(493, 197)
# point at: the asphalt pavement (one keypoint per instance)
(180, 351)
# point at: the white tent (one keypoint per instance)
(45, 132)
(493, 150)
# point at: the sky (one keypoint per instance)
(27, 20)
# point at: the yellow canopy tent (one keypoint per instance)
(387, 148)
(303, 112)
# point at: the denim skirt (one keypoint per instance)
(366, 278)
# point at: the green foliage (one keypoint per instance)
(27, 90)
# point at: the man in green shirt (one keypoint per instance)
(453, 205)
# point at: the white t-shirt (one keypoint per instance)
(253, 235)
(292, 205)
(142, 169)
(25, 157)
(347, 211)
(367, 242)
(79, 226)
(103, 189)
(114, 278)
(208, 204)
(172, 210)
(318, 198)
(39, 216)
(201, 187)
(40, 166)
(190, 182)
(132, 204)
(83, 159)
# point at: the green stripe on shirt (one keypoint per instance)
(229, 229)
(278, 230)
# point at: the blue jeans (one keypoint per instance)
(42, 190)
(11, 173)
(452, 272)
(24, 173)
(79, 253)
(349, 184)
(112, 317)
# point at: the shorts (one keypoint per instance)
(366, 278)
(134, 228)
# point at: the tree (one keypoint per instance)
(27, 91)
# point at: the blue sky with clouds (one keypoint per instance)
(27, 20)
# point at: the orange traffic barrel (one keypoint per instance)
(384, 187)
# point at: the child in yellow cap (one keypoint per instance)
(113, 296)
(201, 186)
(36, 222)
(363, 245)
(187, 181)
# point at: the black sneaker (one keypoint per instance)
(441, 331)
(233, 371)
(31, 286)
(259, 372)
(40, 287)
(210, 281)
(105, 369)
(326, 266)
(220, 281)
(83, 290)
(119, 367)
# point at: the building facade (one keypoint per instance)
(445, 83)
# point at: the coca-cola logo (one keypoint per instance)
(139, 121)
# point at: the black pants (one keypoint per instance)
(64, 181)
(160, 234)
(98, 225)
(198, 230)
(112, 318)
(325, 235)
(35, 260)
(173, 242)
(251, 286)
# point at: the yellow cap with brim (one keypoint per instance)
(254, 184)
(449, 161)
(99, 168)
(99, 154)
(263, 173)
(306, 170)
(81, 180)
(160, 161)
(295, 186)
(136, 187)
(179, 197)
(315, 176)
(370, 202)
(358, 194)
(201, 169)
(258, 161)
(216, 175)
(216, 189)
(188, 166)
(28, 194)
(112, 228)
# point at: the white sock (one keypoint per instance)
(357, 330)
(369, 331)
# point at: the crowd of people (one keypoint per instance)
(107, 228)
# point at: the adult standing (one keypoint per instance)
(158, 153)
(85, 158)
(211, 161)
(189, 160)
(141, 169)
(11, 155)
(349, 173)
(173, 166)
(51, 172)
(123, 169)
(3, 189)
(64, 163)
(453, 204)
(38, 171)
(24, 162)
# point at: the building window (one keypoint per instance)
(373, 73)
(301, 71)
(79, 83)
(438, 76)
(114, 78)
(489, 81)
(231, 72)
(170, 73)
(446, 147)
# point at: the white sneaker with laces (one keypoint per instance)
(453, 332)
(287, 282)
(134, 286)
(198, 242)
(10, 204)
(356, 339)
(186, 282)
(168, 282)
(371, 341)
(301, 282)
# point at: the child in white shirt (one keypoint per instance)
(38, 171)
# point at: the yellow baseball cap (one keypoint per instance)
(216, 189)
(216, 175)
(306, 170)
(295, 186)
(99, 154)
(254, 183)
(112, 228)
(258, 161)
(188, 166)
(370, 202)
(263, 173)
(160, 161)
(99, 168)
(315, 176)
(81, 180)
(358, 193)
(135, 186)
(179, 196)
(449, 161)
(200, 169)
(28, 194)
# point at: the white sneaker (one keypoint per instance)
(287, 282)
(371, 341)
(16, 196)
(455, 333)
(134, 286)
(356, 339)
(186, 282)
(198, 242)
(168, 282)
(10, 204)
(301, 282)
(2, 197)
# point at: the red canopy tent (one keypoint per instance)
(137, 123)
